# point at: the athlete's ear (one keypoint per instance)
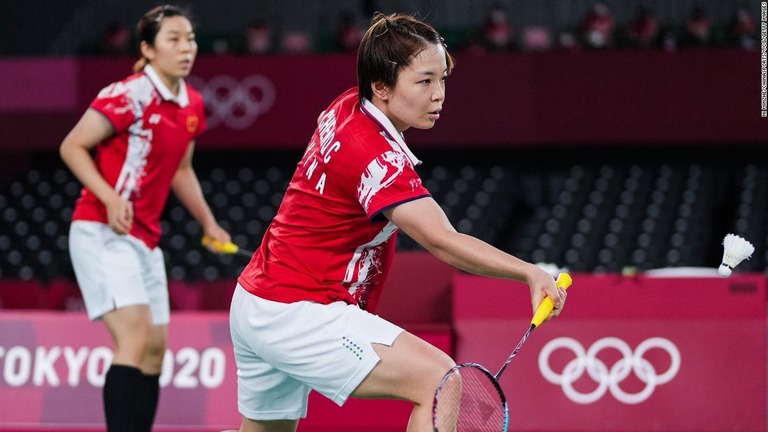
(380, 90)
(147, 51)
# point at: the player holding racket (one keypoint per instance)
(301, 316)
(143, 128)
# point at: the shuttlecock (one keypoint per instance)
(735, 250)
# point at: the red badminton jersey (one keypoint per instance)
(329, 241)
(152, 132)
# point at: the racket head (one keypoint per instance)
(469, 398)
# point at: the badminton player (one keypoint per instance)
(143, 130)
(302, 312)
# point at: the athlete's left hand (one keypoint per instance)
(217, 233)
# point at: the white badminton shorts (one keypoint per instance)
(284, 350)
(114, 271)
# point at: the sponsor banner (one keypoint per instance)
(492, 100)
(52, 368)
(630, 354)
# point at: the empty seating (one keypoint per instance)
(591, 214)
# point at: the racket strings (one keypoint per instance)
(469, 401)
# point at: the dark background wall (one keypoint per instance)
(52, 27)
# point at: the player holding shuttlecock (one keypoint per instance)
(735, 250)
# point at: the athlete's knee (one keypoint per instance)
(155, 349)
(446, 363)
(430, 377)
(153, 357)
(442, 363)
(157, 343)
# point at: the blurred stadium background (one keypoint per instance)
(610, 138)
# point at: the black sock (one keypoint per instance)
(146, 403)
(121, 388)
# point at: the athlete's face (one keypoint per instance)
(175, 49)
(418, 95)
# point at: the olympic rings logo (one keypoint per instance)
(609, 379)
(235, 103)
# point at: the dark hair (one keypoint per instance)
(390, 44)
(149, 26)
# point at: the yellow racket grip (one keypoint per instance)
(225, 248)
(545, 308)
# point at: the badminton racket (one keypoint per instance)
(469, 397)
(228, 248)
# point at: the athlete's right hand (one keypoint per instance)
(119, 214)
(542, 285)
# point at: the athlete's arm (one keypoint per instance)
(186, 187)
(425, 222)
(93, 128)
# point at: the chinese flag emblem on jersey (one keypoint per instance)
(192, 123)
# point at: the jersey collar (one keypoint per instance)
(182, 99)
(388, 128)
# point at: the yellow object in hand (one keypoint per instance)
(545, 308)
(226, 248)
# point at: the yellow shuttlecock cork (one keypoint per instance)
(735, 250)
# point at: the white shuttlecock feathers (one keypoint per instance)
(735, 250)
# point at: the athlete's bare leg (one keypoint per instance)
(130, 328)
(249, 425)
(152, 363)
(410, 369)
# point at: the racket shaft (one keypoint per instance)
(563, 281)
(514, 353)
